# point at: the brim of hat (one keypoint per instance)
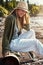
(20, 9)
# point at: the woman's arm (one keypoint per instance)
(7, 30)
(27, 27)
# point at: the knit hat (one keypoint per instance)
(23, 6)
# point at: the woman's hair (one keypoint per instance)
(25, 20)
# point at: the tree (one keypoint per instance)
(34, 10)
(6, 4)
(21, 0)
(28, 3)
(14, 3)
(1, 2)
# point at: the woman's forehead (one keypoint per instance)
(20, 10)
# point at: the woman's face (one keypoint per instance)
(20, 13)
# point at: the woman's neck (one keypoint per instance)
(21, 21)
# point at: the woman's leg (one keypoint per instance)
(26, 45)
(40, 47)
(27, 35)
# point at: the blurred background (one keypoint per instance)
(36, 16)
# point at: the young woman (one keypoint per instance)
(17, 34)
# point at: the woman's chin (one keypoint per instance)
(21, 16)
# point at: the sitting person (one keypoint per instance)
(18, 37)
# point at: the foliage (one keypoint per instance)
(2, 2)
(34, 10)
(9, 5)
(4, 11)
(1, 14)
(12, 3)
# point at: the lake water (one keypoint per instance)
(37, 20)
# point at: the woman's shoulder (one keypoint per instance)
(10, 16)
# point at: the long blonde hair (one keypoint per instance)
(24, 21)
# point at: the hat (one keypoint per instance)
(23, 6)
